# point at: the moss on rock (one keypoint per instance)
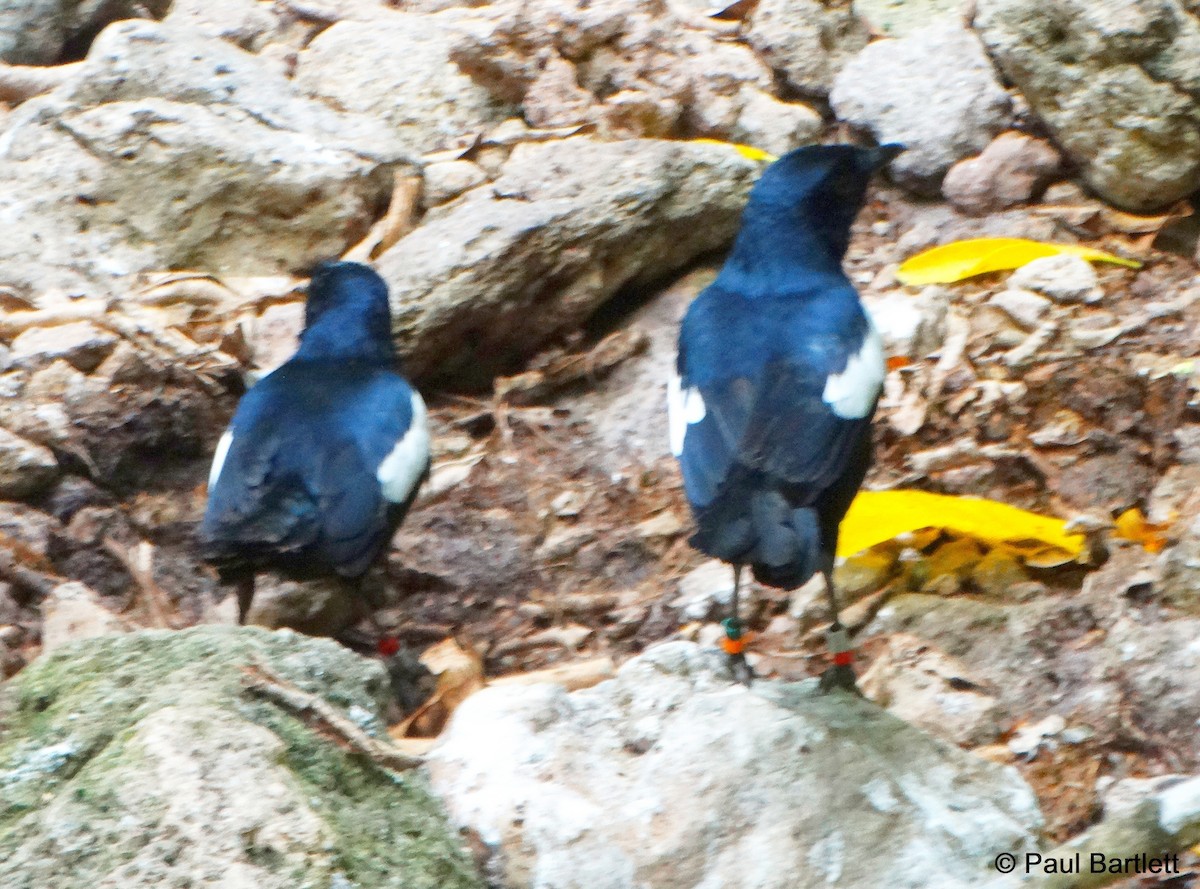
(139, 758)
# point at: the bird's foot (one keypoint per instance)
(734, 644)
(841, 675)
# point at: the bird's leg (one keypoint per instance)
(841, 674)
(734, 642)
(244, 586)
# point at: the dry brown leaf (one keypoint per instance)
(1132, 525)
(459, 673)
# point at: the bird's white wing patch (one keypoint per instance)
(402, 469)
(851, 393)
(684, 407)
(219, 458)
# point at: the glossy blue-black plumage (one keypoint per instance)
(770, 469)
(298, 488)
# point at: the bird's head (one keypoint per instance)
(818, 188)
(347, 313)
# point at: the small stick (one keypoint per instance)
(574, 676)
(570, 638)
(261, 680)
(139, 562)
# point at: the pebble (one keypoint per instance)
(1065, 278)
(81, 343)
(1011, 170)
(1024, 306)
(703, 588)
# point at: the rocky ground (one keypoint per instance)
(525, 176)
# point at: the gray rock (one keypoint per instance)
(397, 68)
(31, 528)
(899, 18)
(35, 32)
(446, 180)
(81, 344)
(941, 110)
(1118, 84)
(1011, 170)
(31, 31)
(1064, 278)
(275, 335)
(1180, 587)
(673, 775)
(173, 150)
(25, 467)
(247, 23)
(490, 277)
(933, 691)
(705, 588)
(555, 98)
(775, 126)
(322, 607)
(1040, 655)
(140, 760)
(910, 325)
(806, 41)
(72, 611)
(1023, 306)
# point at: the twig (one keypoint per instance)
(400, 219)
(14, 323)
(261, 680)
(569, 637)
(855, 617)
(310, 12)
(574, 676)
(139, 562)
(21, 82)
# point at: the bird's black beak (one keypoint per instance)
(882, 155)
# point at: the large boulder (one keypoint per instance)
(933, 91)
(671, 775)
(1117, 82)
(567, 224)
(174, 150)
(807, 42)
(396, 68)
(140, 760)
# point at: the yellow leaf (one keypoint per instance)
(876, 516)
(748, 151)
(1132, 525)
(977, 256)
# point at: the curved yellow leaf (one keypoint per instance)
(748, 151)
(877, 516)
(977, 256)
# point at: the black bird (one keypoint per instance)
(779, 371)
(324, 455)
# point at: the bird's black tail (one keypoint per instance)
(781, 543)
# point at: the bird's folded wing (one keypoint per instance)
(287, 494)
(776, 424)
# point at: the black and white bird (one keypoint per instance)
(324, 456)
(779, 371)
